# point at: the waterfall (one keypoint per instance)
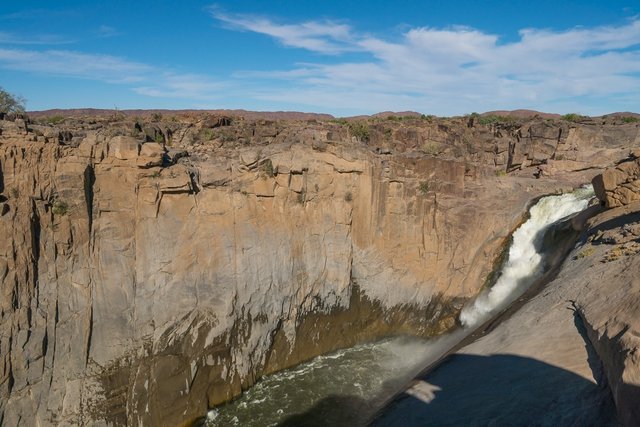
(524, 264)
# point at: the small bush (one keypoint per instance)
(53, 120)
(10, 103)
(267, 168)
(302, 197)
(206, 134)
(60, 208)
(572, 117)
(492, 118)
(629, 119)
(156, 117)
(360, 130)
(431, 148)
(424, 187)
(14, 193)
(501, 172)
(348, 197)
(585, 253)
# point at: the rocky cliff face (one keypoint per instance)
(141, 284)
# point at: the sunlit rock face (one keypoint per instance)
(143, 282)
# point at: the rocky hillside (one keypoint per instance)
(153, 266)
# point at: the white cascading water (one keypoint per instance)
(524, 264)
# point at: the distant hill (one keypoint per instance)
(264, 115)
(521, 114)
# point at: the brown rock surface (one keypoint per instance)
(619, 185)
(140, 294)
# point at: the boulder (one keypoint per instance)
(620, 185)
(124, 147)
(151, 154)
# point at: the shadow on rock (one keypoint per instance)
(500, 390)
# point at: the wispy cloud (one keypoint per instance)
(74, 64)
(454, 69)
(42, 39)
(143, 78)
(105, 31)
(328, 37)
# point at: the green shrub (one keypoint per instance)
(501, 173)
(629, 119)
(53, 120)
(493, 118)
(60, 208)
(360, 130)
(424, 187)
(267, 168)
(10, 103)
(302, 197)
(572, 117)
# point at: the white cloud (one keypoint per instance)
(326, 37)
(143, 78)
(459, 69)
(74, 64)
(106, 31)
(43, 39)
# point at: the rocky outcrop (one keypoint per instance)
(142, 285)
(619, 185)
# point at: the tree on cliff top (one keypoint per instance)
(10, 103)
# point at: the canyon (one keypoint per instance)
(153, 267)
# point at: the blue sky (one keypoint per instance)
(341, 57)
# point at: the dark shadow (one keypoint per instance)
(470, 390)
(331, 411)
(595, 364)
(500, 390)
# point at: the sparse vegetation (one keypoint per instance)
(585, 253)
(431, 148)
(156, 117)
(302, 197)
(53, 120)
(424, 187)
(360, 130)
(267, 169)
(60, 208)
(572, 117)
(493, 118)
(14, 192)
(207, 134)
(348, 197)
(159, 138)
(501, 172)
(10, 103)
(629, 119)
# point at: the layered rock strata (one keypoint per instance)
(143, 283)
